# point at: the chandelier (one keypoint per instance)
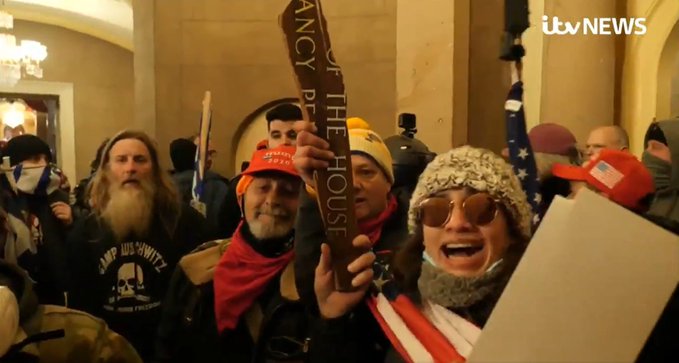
(18, 59)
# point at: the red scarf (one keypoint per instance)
(241, 276)
(373, 227)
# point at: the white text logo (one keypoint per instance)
(596, 26)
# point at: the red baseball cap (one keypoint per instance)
(278, 159)
(616, 173)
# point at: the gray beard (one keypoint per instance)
(454, 292)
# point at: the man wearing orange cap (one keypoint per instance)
(280, 122)
(617, 175)
(234, 286)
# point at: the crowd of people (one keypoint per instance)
(124, 270)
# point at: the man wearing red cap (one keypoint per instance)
(280, 122)
(617, 175)
(233, 286)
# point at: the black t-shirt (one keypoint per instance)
(125, 283)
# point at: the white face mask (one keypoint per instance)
(41, 180)
(9, 319)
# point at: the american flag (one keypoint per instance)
(520, 151)
(201, 156)
(606, 174)
(432, 334)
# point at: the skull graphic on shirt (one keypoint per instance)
(130, 280)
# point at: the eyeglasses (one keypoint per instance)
(479, 209)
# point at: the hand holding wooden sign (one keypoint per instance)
(319, 80)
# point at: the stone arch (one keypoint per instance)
(252, 130)
(647, 60)
(109, 20)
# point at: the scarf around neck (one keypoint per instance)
(241, 276)
(373, 227)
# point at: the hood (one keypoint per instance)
(666, 201)
(18, 281)
(671, 130)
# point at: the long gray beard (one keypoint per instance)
(129, 211)
(455, 292)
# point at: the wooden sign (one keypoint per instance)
(321, 91)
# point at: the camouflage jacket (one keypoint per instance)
(77, 337)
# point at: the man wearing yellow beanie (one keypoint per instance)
(382, 218)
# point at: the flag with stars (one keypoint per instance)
(520, 152)
(420, 334)
(200, 160)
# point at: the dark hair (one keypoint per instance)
(407, 264)
(94, 165)
(284, 112)
(655, 133)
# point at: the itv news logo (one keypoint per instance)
(596, 26)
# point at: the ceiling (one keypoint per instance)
(110, 20)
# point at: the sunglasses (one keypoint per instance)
(479, 209)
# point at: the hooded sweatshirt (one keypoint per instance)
(665, 205)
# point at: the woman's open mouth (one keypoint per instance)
(463, 258)
(461, 249)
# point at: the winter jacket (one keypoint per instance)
(44, 257)
(58, 334)
(269, 332)
(124, 282)
(215, 193)
(356, 335)
(666, 202)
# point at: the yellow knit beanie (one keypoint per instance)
(363, 140)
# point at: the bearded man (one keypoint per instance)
(122, 255)
(235, 300)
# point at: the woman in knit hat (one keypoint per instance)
(471, 223)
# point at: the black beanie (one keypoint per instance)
(24, 147)
(183, 154)
(654, 132)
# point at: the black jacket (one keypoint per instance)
(356, 337)
(215, 193)
(188, 329)
(46, 264)
(124, 283)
